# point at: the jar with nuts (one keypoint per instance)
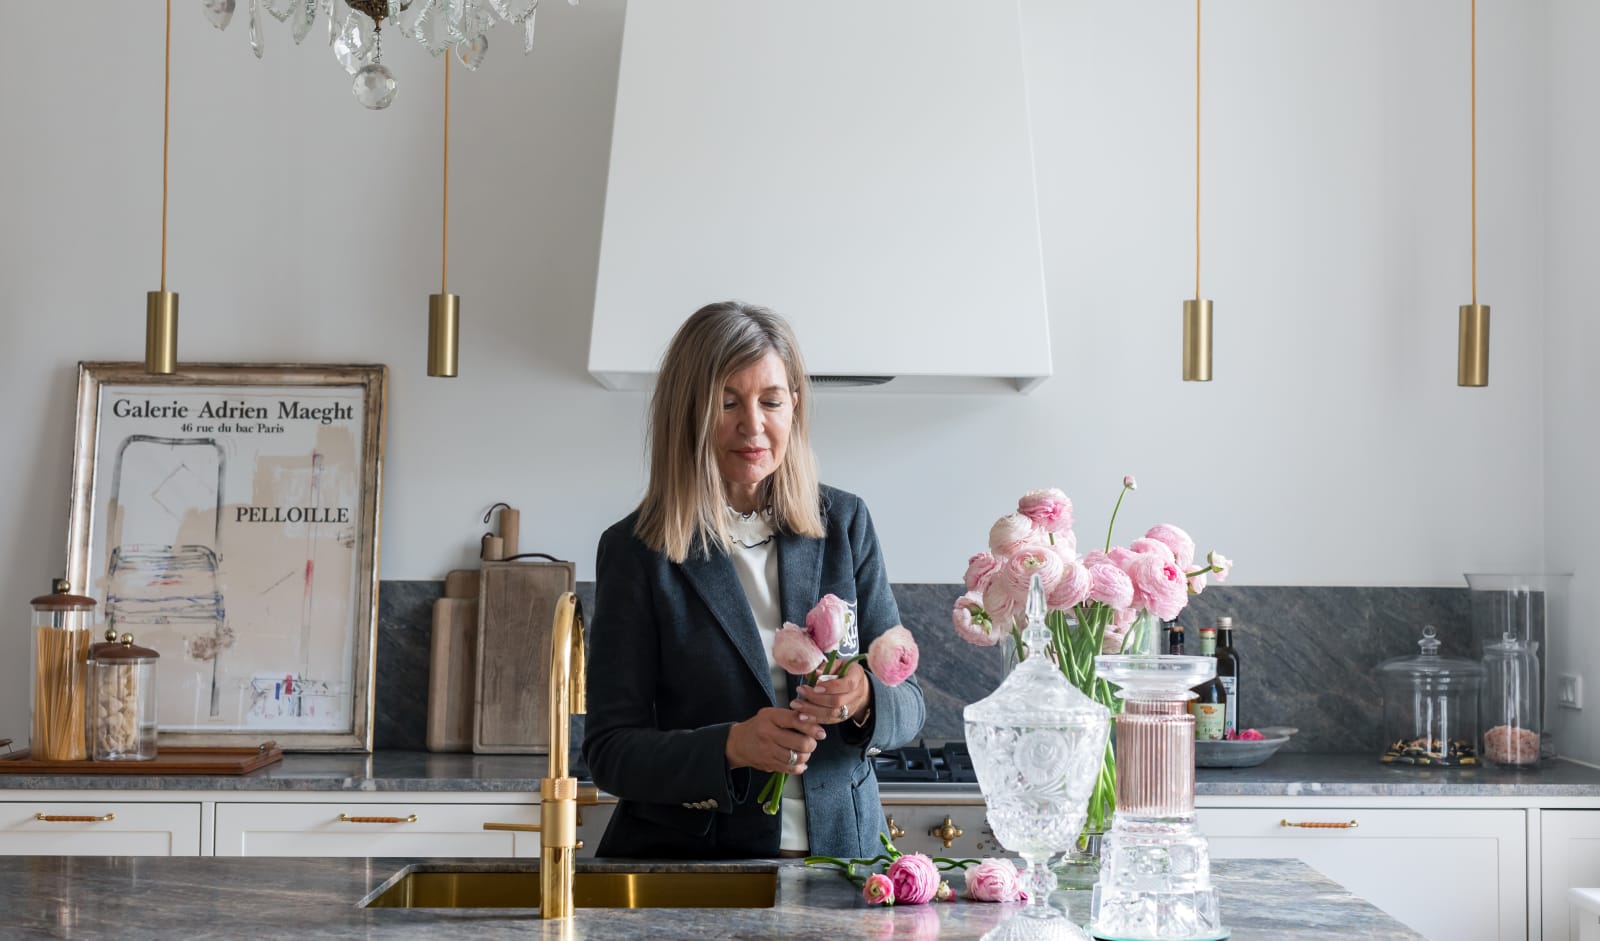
(122, 691)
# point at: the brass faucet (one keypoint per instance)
(558, 791)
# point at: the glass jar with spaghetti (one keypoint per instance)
(59, 652)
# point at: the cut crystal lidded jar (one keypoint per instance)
(1037, 743)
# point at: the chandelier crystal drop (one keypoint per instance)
(355, 29)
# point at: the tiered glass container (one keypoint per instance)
(1155, 866)
(122, 691)
(1037, 744)
(59, 653)
(1510, 704)
(1430, 708)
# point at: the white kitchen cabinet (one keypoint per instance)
(1459, 873)
(100, 828)
(362, 828)
(1569, 858)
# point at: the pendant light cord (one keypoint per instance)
(1197, 149)
(166, 129)
(444, 227)
(1474, 152)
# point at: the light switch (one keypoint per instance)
(1569, 691)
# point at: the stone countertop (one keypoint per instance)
(91, 898)
(1286, 774)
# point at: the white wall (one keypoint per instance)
(1571, 384)
(1333, 447)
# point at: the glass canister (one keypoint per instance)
(122, 695)
(1511, 703)
(1430, 708)
(59, 654)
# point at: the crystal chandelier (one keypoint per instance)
(355, 31)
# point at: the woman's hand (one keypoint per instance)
(835, 700)
(768, 739)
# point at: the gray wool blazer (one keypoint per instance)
(675, 660)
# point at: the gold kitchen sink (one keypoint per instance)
(614, 889)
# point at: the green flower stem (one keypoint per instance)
(946, 864)
(1113, 524)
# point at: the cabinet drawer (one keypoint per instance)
(114, 828)
(368, 829)
(1459, 874)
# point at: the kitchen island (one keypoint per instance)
(131, 898)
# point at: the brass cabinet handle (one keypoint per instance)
(73, 818)
(896, 832)
(346, 818)
(947, 831)
(1320, 824)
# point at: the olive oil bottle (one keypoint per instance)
(1210, 707)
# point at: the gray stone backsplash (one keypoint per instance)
(1307, 655)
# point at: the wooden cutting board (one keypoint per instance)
(453, 664)
(516, 604)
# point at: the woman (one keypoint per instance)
(688, 714)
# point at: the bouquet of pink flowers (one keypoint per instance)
(915, 879)
(1107, 601)
(812, 652)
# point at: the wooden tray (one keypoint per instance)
(168, 760)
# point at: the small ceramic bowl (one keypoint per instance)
(1241, 754)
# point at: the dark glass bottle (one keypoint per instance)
(1210, 707)
(1228, 671)
(1175, 640)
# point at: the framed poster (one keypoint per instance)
(227, 516)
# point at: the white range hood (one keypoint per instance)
(863, 167)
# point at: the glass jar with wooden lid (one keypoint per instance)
(122, 699)
(59, 654)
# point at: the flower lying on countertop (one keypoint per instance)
(1247, 735)
(913, 879)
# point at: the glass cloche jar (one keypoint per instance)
(1430, 708)
(1510, 714)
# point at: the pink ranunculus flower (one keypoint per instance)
(1033, 560)
(1177, 540)
(980, 569)
(892, 656)
(1050, 509)
(795, 651)
(1158, 585)
(1066, 545)
(1110, 585)
(972, 623)
(994, 880)
(1120, 556)
(1097, 557)
(1010, 533)
(1197, 583)
(915, 879)
(1130, 483)
(826, 622)
(1220, 562)
(879, 890)
(944, 893)
(1145, 544)
(1073, 588)
(1005, 602)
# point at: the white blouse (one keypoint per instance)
(755, 559)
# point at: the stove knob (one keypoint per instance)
(896, 832)
(947, 831)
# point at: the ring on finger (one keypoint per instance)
(844, 712)
(794, 758)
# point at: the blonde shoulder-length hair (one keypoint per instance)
(683, 506)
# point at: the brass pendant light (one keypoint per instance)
(444, 308)
(161, 307)
(1197, 313)
(1472, 342)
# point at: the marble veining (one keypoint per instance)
(130, 899)
(1308, 655)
